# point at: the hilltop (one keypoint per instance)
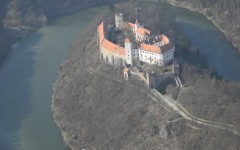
(96, 108)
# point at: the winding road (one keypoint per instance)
(185, 114)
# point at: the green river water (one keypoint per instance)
(28, 74)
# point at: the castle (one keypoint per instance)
(152, 49)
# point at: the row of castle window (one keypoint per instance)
(141, 55)
(148, 53)
(145, 52)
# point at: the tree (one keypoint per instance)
(112, 8)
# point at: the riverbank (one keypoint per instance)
(30, 89)
(217, 18)
(19, 32)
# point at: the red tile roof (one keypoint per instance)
(156, 49)
(143, 31)
(147, 47)
(101, 32)
(113, 47)
(107, 44)
(131, 25)
(150, 48)
(165, 40)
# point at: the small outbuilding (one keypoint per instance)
(126, 73)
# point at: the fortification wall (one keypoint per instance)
(154, 80)
(112, 58)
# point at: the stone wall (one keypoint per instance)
(155, 79)
(112, 58)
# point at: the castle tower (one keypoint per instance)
(128, 50)
(137, 25)
(119, 20)
(150, 76)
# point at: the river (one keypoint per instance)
(222, 55)
(26, 80)
(27, 75)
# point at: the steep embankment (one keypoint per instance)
(224, 14)
(95, 107)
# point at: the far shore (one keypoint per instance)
(5, 52)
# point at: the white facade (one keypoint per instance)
(153, 58)
(146, 56)
(157, 49)
(128, 50)
(140, 37)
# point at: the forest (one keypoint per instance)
(31, 12)
(36, 13)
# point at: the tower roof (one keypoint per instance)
(127, 40)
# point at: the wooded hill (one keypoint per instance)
(36, 12)
(33, 12)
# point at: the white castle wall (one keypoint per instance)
(128, 50)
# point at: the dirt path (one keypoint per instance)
(185, 114)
